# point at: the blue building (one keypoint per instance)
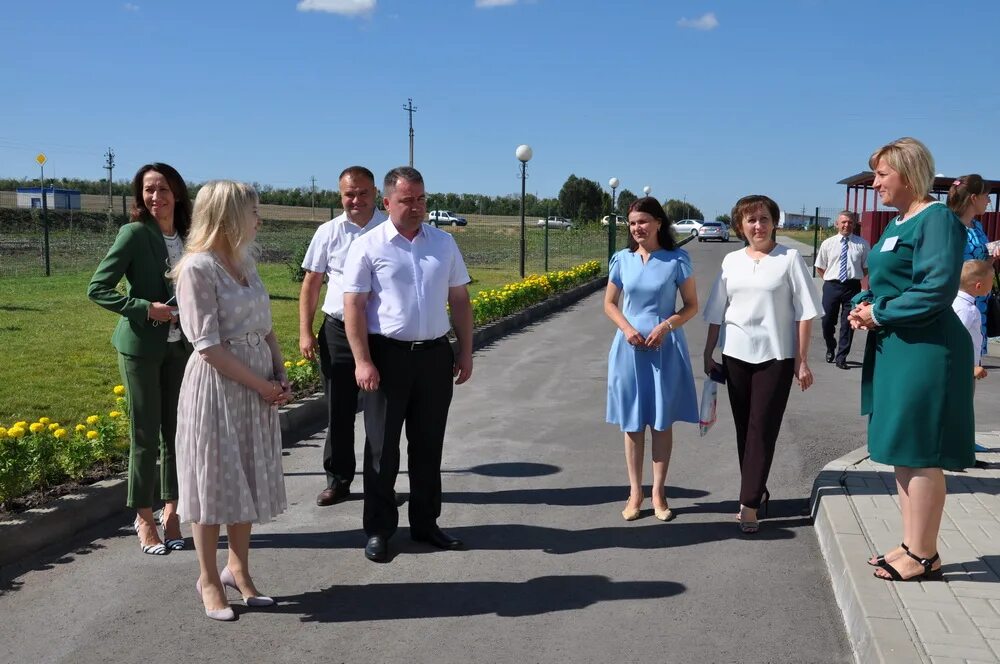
(57, 199)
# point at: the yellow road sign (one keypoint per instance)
(40, 159)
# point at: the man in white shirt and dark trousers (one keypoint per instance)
(325, 258)
(842, 260)
(398, 280)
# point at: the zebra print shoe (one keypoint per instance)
(157, 549)
(172, 544)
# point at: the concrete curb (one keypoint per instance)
(32, 530)
(877, 629)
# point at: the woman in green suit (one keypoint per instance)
(152, 351)
(915, 386)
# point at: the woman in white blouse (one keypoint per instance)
(766, 300)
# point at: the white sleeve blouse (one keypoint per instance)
(758, 303)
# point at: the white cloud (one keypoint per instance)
(129, 7)
(706, 22)
(342, 7)
(485, 4)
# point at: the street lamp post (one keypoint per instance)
(523, 154)
(612, 220)
(646, 190)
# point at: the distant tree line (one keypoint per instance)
(581, 199)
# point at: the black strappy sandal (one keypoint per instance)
(880, 558)
(927, 575)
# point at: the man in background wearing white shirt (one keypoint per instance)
(399, 281)
(842, 260)
(325, 258)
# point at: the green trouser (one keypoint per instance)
(153, 387)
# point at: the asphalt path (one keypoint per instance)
(534, 482)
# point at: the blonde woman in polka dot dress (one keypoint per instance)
(228, 438)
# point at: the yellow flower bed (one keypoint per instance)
(43, 453)
(491, 305)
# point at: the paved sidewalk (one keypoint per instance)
(857, 514)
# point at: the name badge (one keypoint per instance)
(890, 243)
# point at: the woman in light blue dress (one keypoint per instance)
(650, 383)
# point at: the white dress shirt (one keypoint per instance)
(758, 304)
(327, 252)
(965, 306)
(828, 257)
(407, 281)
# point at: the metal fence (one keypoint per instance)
(78, 239)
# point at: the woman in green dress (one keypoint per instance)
(915, 389)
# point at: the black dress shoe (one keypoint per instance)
(842, 365)
(436, 538)
(829, 356)
(335, 494)
(376, 550)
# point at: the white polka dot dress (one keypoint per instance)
(228, 438)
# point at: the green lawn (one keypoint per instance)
(59, 359)
(806, 237)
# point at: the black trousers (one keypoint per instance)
(337, 364)
(758, 394)
(836, 305)
(415, 389)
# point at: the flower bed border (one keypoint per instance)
(57, 521)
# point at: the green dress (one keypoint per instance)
(916, 383)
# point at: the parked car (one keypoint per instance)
(555, 222)
(713, 230)
(445, 218)
(619, 220)
(687, 227)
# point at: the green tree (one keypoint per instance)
(724, 218)
(677, 210)
(582, 196)
(625, 199)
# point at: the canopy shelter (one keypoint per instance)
(874, 217)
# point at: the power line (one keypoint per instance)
(411, 109)
(109, 166)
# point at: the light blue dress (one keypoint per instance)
(652, 388)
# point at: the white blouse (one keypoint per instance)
(759, 302)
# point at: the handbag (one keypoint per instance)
(993, 308)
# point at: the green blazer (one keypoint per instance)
(140, 255)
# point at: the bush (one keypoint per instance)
(491, 305)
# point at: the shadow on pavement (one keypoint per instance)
(512, 469)
(568, 497)
(776, 508)
(405, 601)
(517, 537)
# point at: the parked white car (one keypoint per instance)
(619, 220)
(445, 218)
(556, 222)
(687, 227)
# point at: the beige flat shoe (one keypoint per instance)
(666, 514)
(631, 514)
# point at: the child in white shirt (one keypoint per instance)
(977, 280)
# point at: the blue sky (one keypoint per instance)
(706, 100)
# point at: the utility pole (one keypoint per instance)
(411, 109)
(109, 166)
(312, 196)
